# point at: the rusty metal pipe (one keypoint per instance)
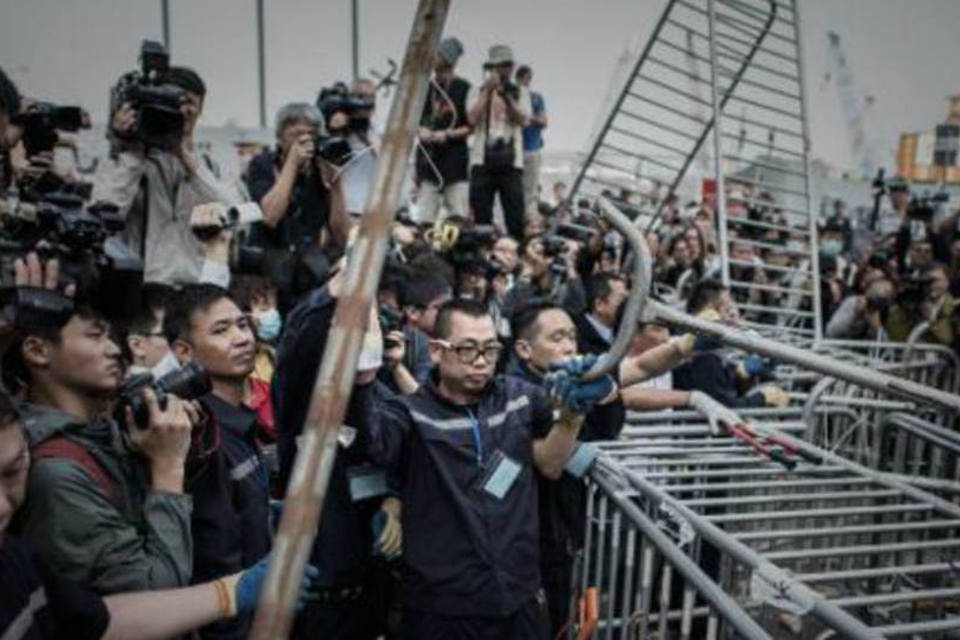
(331, 392)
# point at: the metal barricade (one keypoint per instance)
(826, 549)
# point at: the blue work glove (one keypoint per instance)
(244, 587)
(576, 395)
(753, 365)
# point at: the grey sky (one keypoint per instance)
(902, 52)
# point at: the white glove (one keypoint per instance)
(715, 413)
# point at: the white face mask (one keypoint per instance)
(371, 352)
(167, 364)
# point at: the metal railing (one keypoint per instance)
(827, 548)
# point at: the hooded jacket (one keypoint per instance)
(134, 540)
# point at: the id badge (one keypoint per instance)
(502, 474)
(366, 482)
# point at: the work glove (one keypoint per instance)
(716, 414)
(774, 396)
(387, 531)
(570, 391)
(243, 588)
(753, 365)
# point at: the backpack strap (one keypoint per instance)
(63, 447)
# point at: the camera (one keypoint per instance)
(107, 274)
(576, 232)
(471, 245)
(554, 246)
(187, 383)
(337, 98)
(913, 291)
(334, 149)
(925, 207)
(41, 122)
(244, 258)
(390, 321)
(159, 122)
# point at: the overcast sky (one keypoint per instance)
(903, 52)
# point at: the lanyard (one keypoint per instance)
(477, 442)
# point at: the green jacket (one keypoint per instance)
(901, 323)
(80, 532)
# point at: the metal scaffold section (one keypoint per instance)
(724, 79)
(804, 543)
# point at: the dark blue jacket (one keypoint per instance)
(231, 502)
(466, 552)
(343, 548)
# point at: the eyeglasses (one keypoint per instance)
(468, 352)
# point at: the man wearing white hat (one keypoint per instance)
(497, 111)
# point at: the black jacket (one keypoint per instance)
(343, 548)
(231, 502)
(466, 552)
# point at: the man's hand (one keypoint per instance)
(774, 396)
(166, 440)
(242, 590)
(300, 153)
(574, 394)
(30, 272)
(716, 414)
(205, 217)
(387, 529)
(124, 119)
(338, 121)
(395, 349)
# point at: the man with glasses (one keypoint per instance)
(464, 452)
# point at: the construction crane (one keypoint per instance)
(852, 112)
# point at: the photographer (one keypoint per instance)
(106, 506)
(156, 188)
(497, 111)
(226, 475)
(548, 271)
(443, 133)
(348, 115)
(924, 299)
(38, 603)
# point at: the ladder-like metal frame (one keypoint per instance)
(653, 134)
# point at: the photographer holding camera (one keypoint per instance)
(106, 506)
(302, 202)
(497, 111)
(548, 272)
(157, 177)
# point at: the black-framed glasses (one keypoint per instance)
(468, 352)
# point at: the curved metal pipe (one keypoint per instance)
(642, 276)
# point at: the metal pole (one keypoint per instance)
(355, 24)
(261, 66)
(749, 341)
(165, 19)
(331, 392)
(812, 219)
(720, 199)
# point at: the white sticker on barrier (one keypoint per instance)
(774, 586)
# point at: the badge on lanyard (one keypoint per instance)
(366, 482)
(501, 475)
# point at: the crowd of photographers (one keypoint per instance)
(163, 329)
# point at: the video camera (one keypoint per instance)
(471, 244)
(187, 383)
(337, 98)
(159, 121)
(107, 274)
(41, 122)
(913, 291)
(923, 208)
(244, 258)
